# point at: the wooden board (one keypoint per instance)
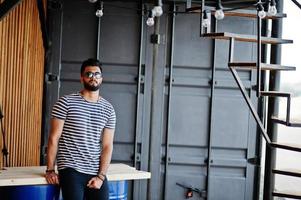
(35, 175)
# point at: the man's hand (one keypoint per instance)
(95, 183)
(52, 178)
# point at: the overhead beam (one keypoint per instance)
(7, 6)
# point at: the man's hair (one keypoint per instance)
(90, 62)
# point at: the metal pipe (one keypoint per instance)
(154, 88)
(249, 103)
(209, 140)
(274, 84)
(159, 3)
(259, 8)
(262, 111)
(171, 47)
(138, 87)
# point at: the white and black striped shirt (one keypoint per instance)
(80, 142)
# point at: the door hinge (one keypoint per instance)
(138, 157)
(51, 77)
(157, 39)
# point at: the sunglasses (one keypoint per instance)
(96, 75)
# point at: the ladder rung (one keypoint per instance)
(275, 94)
(238, 13)
(246, 38)
(288, 194)
(287, 146)
(292, 122)
(264, 66)
(288, 172)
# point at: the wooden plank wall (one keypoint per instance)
(21, 83)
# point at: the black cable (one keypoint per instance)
(184, 12)
(296, 3)
(4, 149)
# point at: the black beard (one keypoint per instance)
(89, 87)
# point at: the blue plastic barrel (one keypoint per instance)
(118, 190)
(30, 192)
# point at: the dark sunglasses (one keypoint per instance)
(96, 75)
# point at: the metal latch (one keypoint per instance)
(190, 190)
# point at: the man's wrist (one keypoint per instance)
(50, 170)
(101, 176)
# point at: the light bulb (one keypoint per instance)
(261, 14)
(272, 10)
(206, 23)
(99, 13)
(92, 1)
(150, 21)
(157, 11)
(219, 14)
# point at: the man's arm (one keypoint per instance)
(105, 158)
(53, 140)
(107, 149)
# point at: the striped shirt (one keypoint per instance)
(80, 142)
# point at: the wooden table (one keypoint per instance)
(35, 175)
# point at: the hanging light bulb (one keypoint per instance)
(205, 21)
(219, 13)
(150, 20)
(157, 11)
(272, 8)
(92, 1)
(99, 11)
(261, 13)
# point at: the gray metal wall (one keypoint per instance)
(167, 128)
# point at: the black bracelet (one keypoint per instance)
(50, 170)
(101, 177)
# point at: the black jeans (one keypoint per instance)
(74, 186)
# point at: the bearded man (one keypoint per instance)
(81, 139)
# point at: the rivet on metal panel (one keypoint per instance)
(138, 157)
(142, 79)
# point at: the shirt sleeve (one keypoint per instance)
(60, 109)
(111, 123)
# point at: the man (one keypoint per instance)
(81, 139)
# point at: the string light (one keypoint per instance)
(261, 13)
(150, 20)
(99, 11)
(157, 11)
(219, 13)
(272, 8)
